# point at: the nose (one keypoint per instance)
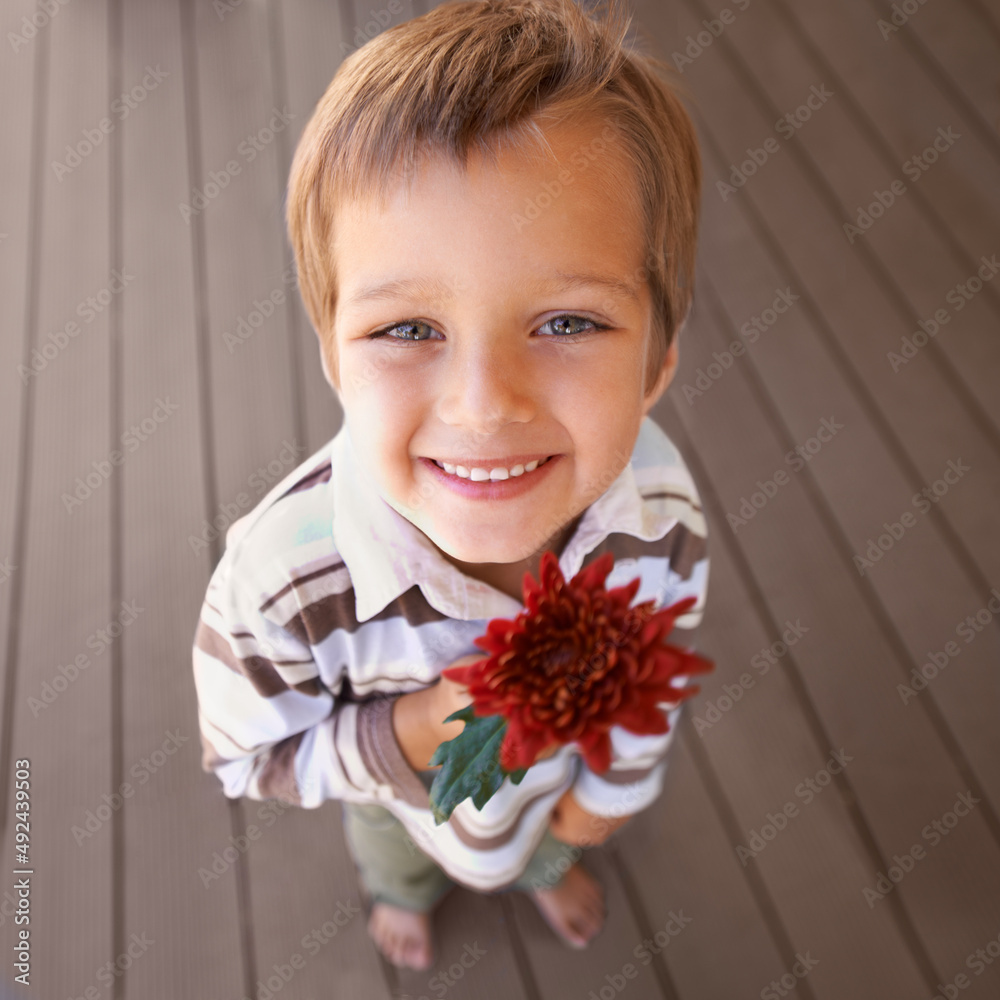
(486, 383)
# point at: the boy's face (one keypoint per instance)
(494, 356)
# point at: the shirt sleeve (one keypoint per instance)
(638, 762)
(271, 728)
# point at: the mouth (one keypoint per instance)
(491, 471)
(492, 481)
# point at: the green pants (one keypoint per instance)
(397, 872)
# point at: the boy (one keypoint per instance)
(494, 212)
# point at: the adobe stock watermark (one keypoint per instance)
(106, 974)
(696, 44)
(40, 18)
(376, 24)
(786, 126)
(259, 482)
(580, 159)
(959, 296)
(99, 640)
(937, 660)
(88, 310)
(247, 326)
(877, 547)
(313, 942)
(142, 771)
(914, 168)
(933, 834)
(804, 964)
(806, 790)
(248, 150)
(121, 107)
(762, 662)
(444, 979)
(136, 435)
(751, 330)
(6, 570)
(267, 813)
(977, 962)
(901, 13)
(615, 983)
(797, 460)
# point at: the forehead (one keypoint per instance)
(563, 205)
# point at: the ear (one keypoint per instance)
(666, 376)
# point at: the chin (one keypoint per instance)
(479, 552)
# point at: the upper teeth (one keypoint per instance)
(478, 475)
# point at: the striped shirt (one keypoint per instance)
(327, 604)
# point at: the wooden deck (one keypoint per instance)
(753, 756)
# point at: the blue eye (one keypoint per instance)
(387, 332)
(559, 324)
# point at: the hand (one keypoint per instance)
(450, 696)
(572, 824)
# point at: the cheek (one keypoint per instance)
(383, 415)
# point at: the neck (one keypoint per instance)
(508, 578)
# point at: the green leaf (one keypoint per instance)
(470, 764)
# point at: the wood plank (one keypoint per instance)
(935, 235)
(559, 971)
(867, 495)
(958, 45)
(846, 49)
(762, 750)
(24, 90)
(22, 167)
(681, 861)
(307, 47)
(902, 780)
(65, 583)
(175, 817)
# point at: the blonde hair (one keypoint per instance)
(475, 75)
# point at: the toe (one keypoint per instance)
(418, 956)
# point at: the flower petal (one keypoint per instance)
(597, 751)
(644, 720)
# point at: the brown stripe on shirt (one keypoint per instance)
(627, 777)
(321, 474)
(305, 578)
(382, 755)
(313, 623)
(259, 671)
(210, 757)
(313, 686)
(468, 838)
(667, 495)
(276, 778)
(679, 544)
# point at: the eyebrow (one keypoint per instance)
(430, 288)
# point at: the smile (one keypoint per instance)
(498, 482)
(478, 474)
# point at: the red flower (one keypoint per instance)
(576, 662)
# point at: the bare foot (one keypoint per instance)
(403, 936)
(574, 908)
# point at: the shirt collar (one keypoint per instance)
(386, 555)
